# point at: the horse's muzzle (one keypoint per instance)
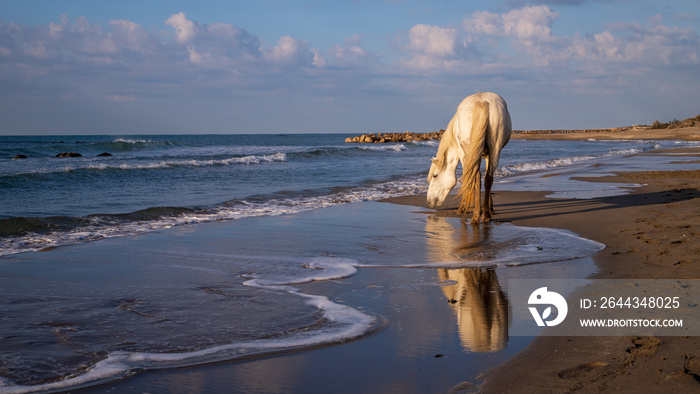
(433, 203)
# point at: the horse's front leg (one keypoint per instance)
(477, 198)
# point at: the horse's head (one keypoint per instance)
(440, 183)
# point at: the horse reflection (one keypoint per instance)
(477, 299)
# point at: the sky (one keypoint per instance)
(341, 66)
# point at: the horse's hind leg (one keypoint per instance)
(487, 209)
(477, 198)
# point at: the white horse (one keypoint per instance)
(480, 128)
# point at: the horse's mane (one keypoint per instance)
(447, 143)
(472, 161)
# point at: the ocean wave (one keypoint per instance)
(561, 162)
(385, 148)
(33, 234)
(45, 149)
(150, 165)
(346, 151)
(430, 143)
(252, 159)
(128, 144)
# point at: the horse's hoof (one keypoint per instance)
(474, 221)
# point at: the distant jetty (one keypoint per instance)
(409, 137)
(380, 138)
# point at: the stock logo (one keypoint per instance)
(543, 297)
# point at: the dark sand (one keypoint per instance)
(650, 233)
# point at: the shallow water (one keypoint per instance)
(225, 291)
(561, 183)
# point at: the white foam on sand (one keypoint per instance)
(344, 324)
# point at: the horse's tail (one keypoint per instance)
(472, 160)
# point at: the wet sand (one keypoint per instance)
(442, 327)
(650, 233)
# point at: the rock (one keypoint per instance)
(69, 154)
(396, 137)
(20, 157)
(104, 154)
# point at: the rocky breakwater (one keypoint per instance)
(395, 137)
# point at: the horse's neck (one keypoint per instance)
(453, 154)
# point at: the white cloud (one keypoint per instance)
(439, 49)
(318, 59)
(286, 48)
(225, 65)
(185, 29)
(193, 55)
(215, 45)
(637, 44)
(292, 51)
(528, 23)
(432, 40)
(130, 35)
(529, 31)
(351, 53)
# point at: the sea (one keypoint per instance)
(179, 250)
(152, 182)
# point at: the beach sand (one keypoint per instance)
(650, 233)
(634, 133)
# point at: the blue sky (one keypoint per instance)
(141, 67)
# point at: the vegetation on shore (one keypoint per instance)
(676, 124)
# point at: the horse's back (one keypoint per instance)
(499, 117)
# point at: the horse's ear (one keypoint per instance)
(434, 160)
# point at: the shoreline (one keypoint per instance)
(649, 234)
(624, 133)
